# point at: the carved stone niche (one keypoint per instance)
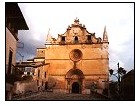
(74, 76)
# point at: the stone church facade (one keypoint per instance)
(77, 60)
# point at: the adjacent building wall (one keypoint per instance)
(11, 44)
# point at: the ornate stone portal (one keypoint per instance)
(77, 60)
(74, 79)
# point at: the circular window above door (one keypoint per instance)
(75, 55)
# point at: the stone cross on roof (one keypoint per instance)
(76, 21)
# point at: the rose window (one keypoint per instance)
(75, 55)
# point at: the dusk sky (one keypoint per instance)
(117, 17)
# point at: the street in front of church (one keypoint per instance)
(60, 96)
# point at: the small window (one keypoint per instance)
(63, 38)
(76, 39)
(46, 85)
(38, 73)
(42, 83)
(45, 75)
(89, 39)
(37, 82)
(10, 62)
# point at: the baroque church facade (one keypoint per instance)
(74, 62)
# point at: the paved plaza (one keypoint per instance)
(57, 96)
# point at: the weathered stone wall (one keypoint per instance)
(91, 62)
(22, 87)
(41, 75)
(94, 63)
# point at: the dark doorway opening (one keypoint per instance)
(75, 87)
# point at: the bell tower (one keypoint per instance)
(105, 47)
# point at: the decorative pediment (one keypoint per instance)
(76, 33)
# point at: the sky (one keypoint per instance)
(117, 17)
